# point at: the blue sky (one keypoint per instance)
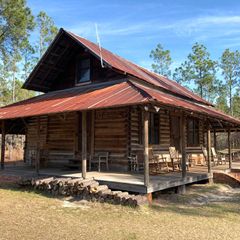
(132, 28)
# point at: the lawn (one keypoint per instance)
(205, 212)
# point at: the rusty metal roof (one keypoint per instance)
(74, 99)
(66, 44)
(101, 96)
(170, 100)
(128, 67)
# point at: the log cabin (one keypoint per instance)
(97, 103)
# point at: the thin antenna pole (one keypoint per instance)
(99, 45)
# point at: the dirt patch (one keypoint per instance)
(202, 195)
(70, 203)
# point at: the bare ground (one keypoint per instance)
(205, 212)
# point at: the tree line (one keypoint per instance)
(24, 38)
(217, 81)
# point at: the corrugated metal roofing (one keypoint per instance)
(73, 99)
(128, 67)
(120, 94)
(171, 100)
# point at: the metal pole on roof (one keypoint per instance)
(99, 45)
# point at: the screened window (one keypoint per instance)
(83, 73)
(154, 128)
(193, 132)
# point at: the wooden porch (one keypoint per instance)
(127, 181)
(54, 140)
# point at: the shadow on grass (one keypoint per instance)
(218, 209)
(211, 211)
(14, 187)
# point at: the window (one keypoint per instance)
(154, 128)
(83, 70)
(193, 132)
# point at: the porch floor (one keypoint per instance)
(127, 181)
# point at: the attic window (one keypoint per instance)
(83, 70)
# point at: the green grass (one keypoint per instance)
(28, 215)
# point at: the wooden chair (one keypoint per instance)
(175, 158)
(161, 161)
(133, 162)
(153, 161)
(205, 154)
(101, 157)
(136, 161)
(218, 158)
(214, 159)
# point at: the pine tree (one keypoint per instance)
(162, 61)
(230, 66)
(47, 31)
(199, 70)
(16, 24)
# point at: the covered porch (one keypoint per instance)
(128, 181)
(123, 122)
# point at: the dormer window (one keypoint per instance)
(83, 70)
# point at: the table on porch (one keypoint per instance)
(235, 152)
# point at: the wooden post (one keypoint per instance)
(145, 145)
(149, 198)
(229, 149)
(76, 136)
(84, 144)
(209, 150)
(3, 145)
(183, 146)
(37, 162)
(92, 137)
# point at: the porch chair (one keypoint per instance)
(219, 158)
(101, 157)
(175, 158)
(153, 161)
(161, 160)
(205, 154)
(135, 160)
(157, 161)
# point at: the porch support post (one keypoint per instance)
(92, 138)
(209, 150)
(229, 149)
(3, 145)
(37, 162)
(84, 144)
(145, 145)
(183, 145)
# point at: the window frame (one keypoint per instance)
(154, 129)
(78, 70)
(193, 134)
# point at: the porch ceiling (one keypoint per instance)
(112, 94)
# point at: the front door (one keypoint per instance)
(175, 132)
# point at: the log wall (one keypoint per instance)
(111, 135)
(164, 129)
(117, 131)
(56, 139)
